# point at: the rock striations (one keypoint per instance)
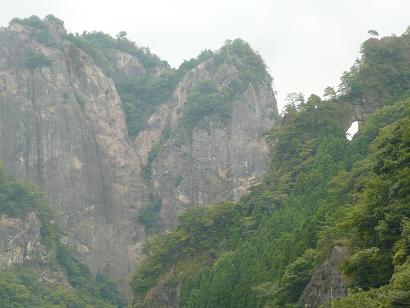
(63, 125)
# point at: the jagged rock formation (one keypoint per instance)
(19, 239)
(327, 282)
(216, 159)
(20, 243)
(62, 125)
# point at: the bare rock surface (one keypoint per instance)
(62, 126)
(20, 240)
(327, 282)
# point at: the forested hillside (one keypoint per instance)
(321, 192)
(121, 144)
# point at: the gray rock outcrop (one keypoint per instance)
(63, 126)
(327, 282)
(20, 240)
(217, 159)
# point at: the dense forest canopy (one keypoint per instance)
(320, 191)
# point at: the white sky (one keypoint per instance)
(306, 44)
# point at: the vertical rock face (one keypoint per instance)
(216, 160)
(20, 244)
(327, 282)
(62, 125)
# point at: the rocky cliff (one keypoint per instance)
(191, 156)
(21, 245)
(63, 124)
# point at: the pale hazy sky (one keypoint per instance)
(306, 44)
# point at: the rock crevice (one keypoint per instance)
(63, 126)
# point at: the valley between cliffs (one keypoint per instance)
(121, 176)
(115, 164)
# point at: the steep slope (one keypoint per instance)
(36, 269)
(330, 217)
(62, 126)
(116, 138)
(206, 143)
(380, 77)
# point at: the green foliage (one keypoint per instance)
(283, 213)
(371, 128)
(294, 280)
(17, 199)
(395, 294)
(32, 21)
(250, 65)
(329, 93)
(149, 216)
(187, 241)
(312, 157)
(40, 29)
(219, 284)
(107, 290)
(100, 45)
(368, 268)
(377, 220)
(54, 20)
(77, 273)
(190, 64)
(382, 75)
(141, 95)
(153, 155)
(268, 222)
(321, 190)
(203, 101)
(36, 59)
(22, 286)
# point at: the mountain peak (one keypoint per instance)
(50, 23)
